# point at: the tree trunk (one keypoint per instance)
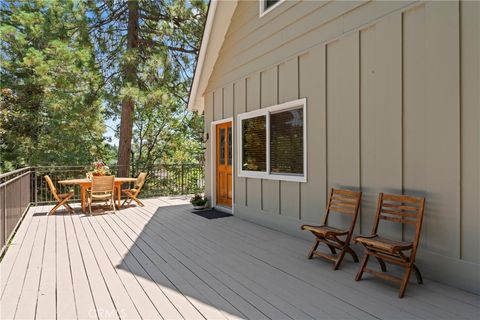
(128, 104)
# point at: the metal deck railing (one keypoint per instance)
(22, 187)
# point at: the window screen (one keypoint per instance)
(286, 142)
(254, 144)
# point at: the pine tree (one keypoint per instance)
(148, 49)
(51, 86)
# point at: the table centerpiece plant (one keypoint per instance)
(99, 169)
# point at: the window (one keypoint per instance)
(254, 138)
(268, 5)
(286, 141)
(272, 142)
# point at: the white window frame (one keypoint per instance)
(295, 104)
(262, 4)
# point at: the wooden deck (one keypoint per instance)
(161, 261)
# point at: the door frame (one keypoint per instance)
(213, 164)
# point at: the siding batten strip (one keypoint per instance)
(402, 111)
(304, 145)
(360, 213)
(260, 107)
(460, 173)
(246, 179)
(325, 66)
(279, 182)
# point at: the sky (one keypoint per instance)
(110, 132)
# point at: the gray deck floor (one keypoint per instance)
(161, 261)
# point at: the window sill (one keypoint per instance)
(275, 177)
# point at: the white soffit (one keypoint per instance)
(218, 20)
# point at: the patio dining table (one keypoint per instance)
(85, 183)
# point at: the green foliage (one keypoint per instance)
(198, 200)
(62, 76)
(51, 111)
(170, 32)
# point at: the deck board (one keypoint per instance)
(28, 298)
(104, 304)
(430, 303)
(14, 249)
(16, 281)
(119, 293)
(46, 304)
(161, 262)
(66, 307)
(84, 302)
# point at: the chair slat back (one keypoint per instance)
(51, 187)
(343, 201)
(102, 184)
(400, 209)
(140, 181)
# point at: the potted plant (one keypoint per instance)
(99, 169)
(199, 202)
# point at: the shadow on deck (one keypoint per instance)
(161, 261)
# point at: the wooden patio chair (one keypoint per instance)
(399, 209)
(340, 201)
(132, 194)
(103, 189)
(61, 198)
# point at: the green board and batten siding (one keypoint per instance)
(393, 105)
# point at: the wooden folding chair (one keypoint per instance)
(341, 201)
(399, 209)
(61, 198)
(132, 194)
(103, 189)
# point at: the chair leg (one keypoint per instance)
(312, 249)
(406, 278)
(383, 266)
(332, 249)
(418, 275)
(67, 206)
(70, 210)
(339, 259)
(90, 205)
(55, 208)
(138, 201)
(113, 205)
(366, 256)
(352, 253)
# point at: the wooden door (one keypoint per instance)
(224, 160)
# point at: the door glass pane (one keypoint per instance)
(222, 146)
(254, 144)
(230, 142)
(286, 141)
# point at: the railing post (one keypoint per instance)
(35, 184)
(183, 181)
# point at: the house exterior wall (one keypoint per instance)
(393, 105)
